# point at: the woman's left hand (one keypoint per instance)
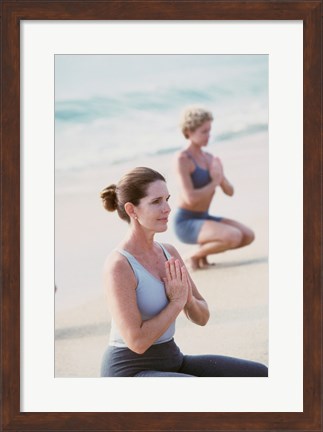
(190, 290)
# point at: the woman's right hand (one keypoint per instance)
(176, 282)
(216, 171)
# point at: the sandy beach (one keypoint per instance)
(236, 289)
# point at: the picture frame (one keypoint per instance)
(310, 12)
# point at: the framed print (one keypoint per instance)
(37, 38)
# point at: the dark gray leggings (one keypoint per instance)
(166, 360)
(212, 366)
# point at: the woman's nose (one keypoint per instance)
(167, 207)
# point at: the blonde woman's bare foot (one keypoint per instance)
(192, 263)
(203, 263)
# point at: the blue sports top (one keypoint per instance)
(200, 176)
(151, 299)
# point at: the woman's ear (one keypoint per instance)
(130, 209)
(188, 133)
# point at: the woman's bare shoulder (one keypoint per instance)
(117, 273)
(115, 262)
(181, 154)
(182, 160)
(171, 250)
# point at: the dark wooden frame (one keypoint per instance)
(12, 12)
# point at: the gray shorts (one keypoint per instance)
(188, 224)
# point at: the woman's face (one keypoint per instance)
(201, 135)
(153, 210)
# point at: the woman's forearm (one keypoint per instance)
(197, 311)
(194, 196)
(140, 339)
(227, 187)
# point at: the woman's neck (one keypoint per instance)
(139, 241)
(195, 150)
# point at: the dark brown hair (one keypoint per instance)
(131, 188)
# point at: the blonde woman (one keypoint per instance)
(200, 174)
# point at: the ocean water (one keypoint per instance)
(113, 108)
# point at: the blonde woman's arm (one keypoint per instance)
(216, 166)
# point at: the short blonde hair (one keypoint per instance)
(193, 117)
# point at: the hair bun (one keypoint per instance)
(109, 198)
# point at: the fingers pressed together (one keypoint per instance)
(174, 269)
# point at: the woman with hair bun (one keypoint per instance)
(148, 286)
(200, 174)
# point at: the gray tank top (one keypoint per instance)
(151, 299)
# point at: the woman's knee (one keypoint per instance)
(248, 237)
(263, 370)
(233, 238)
